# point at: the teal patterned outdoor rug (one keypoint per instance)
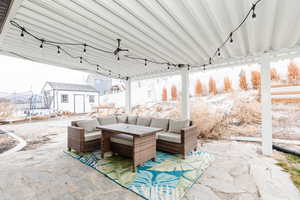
(169, 177)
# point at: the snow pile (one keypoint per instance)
(6, 110)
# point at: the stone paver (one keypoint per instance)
(46, 173)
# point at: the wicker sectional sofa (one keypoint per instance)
(178, 136)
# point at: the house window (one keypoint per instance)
(92, 99)
(65, 98)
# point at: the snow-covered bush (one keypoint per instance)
(6, 110)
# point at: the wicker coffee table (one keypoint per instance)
(144, 140)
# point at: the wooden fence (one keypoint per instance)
(286, 93)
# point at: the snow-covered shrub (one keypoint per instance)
(198, 88)
(212, 86)
(247, 111)
(255, 79)
(174, 92)
(274, 75)
(164, 95)
(293, 73)
(6, 110)
(243, 81)
(210, 121)
(227, 84)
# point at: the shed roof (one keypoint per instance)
(179, 31)
(71, 87)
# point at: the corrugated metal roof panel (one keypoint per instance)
(179, 31)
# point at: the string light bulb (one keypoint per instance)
(210, 61)
(145, 62)
(230, 36)
(219, 52)
(42, 44)
(168, 65)
(253, 11)
(58, 49)
(84, 48)
(22, 31)
(98, 67)
(80, 60)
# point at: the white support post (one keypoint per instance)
(128, 96)
(185, 100)
(266, 106)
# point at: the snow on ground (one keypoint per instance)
(239, 171)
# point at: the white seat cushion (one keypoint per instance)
(169, 137)
(176, 125)
(160, 123)
(92, 136)
(122, 139)
(88, 125)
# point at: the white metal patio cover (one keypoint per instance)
(180, 31)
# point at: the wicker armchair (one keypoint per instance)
(81, 141)
(187, 143)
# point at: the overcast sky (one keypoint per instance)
(19, 75)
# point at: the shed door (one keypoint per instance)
(78, 103)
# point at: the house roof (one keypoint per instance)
(71, 87)
(177, 31)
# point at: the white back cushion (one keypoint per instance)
(122, 119)
(143, 121)
(132, 119)
(160, 123)
(108, 120)
(176, 125)
(88, 125)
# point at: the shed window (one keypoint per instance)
(65, 98)
(92, 99)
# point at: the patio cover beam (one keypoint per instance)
(266, 106)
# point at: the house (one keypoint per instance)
(77, 98)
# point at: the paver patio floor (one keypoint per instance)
(45, 172)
